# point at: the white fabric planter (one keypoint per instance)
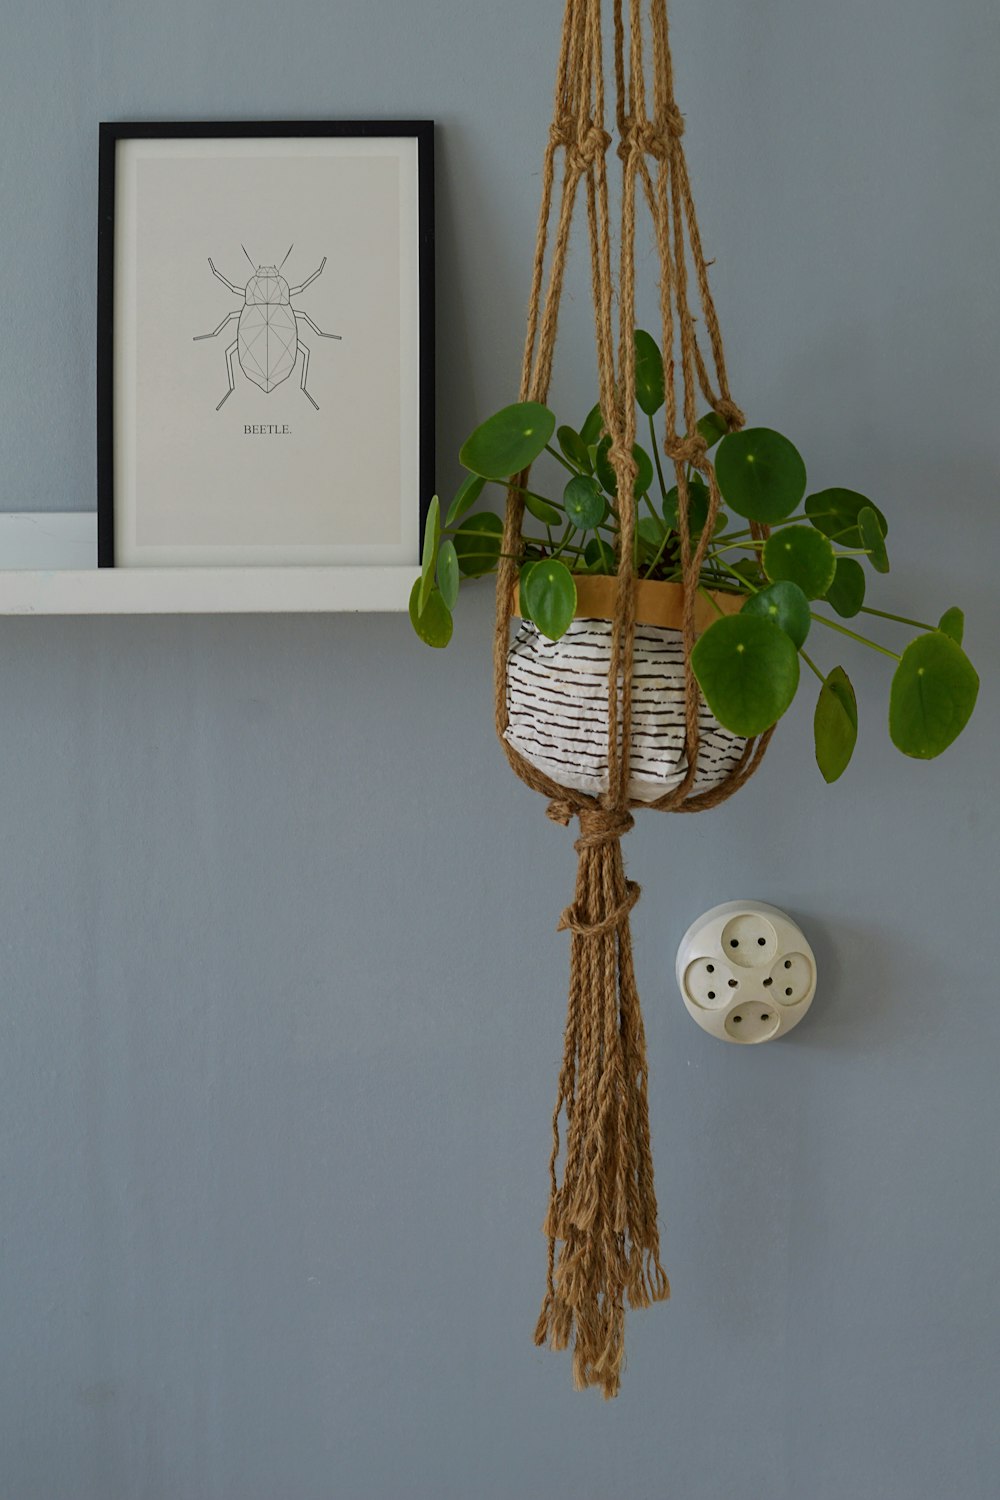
(557, 706)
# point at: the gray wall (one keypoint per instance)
(281, 995)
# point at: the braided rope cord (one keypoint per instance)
(601, 1225)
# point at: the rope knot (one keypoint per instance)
(622, 460)
(560, 811)
(572, 921)
(602, 825)
(583, 144)
(651, 138)
(688, 450)
(730, 413)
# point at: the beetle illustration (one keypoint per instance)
(267, 341)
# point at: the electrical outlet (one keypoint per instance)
(746, 972)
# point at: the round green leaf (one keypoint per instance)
(432, 540)
(593, 426)
(599, 556)
(509, 441)
(760, 473)
(712, 428)
(542, 511)
(835, 724)
(748, 670)
(846, 593)
(933, 693)
(952, 622)
(466, 495)
(584, 504)
(697, 507)
(649, 386)
(835, 513)
(448, 573)
(786, 605)
(607, 476)
(803, 556)
(873, 539)
(575, 450)
(477, 543)
(549, 593)
(433, 623)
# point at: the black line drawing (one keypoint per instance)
(267, 341)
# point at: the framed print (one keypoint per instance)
(265, 372)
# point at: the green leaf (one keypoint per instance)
(593, 426)
(467, 494)
(432, 540)
(873, 539)
(760, 473)
(652, 533)
(712, 428)
(477, 543)
(698, 498)
(803, 556)
(584, 504)
(574, 449)
(448, 572)
(649, 387)
(835, 724)
(952, 623)
(549, 592)
(599, 556)
(846, 593)
(522, 603)
(607, 476)
(786, 605)
(933, 693)
(509, 441)
(433, 624)
(541, 509)
(748, 670)
(835, 513)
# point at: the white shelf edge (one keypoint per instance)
(48, 566)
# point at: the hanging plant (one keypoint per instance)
(759, 599)
(666, 599)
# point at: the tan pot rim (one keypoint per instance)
(656, 602)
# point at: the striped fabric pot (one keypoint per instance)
(557, 705)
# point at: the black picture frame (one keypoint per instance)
(113, 132)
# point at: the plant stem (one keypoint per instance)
(810, 663)
(656, 457)
(885, 615)
(559, 459)
(853, 634)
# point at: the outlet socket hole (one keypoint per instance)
(737, 1020)
(762, 942)
(710, 968)
(768, 983)
(788, 963)
(789, 990)
(765, 1017)
(711, 994)
(733, 983)
(734, 942)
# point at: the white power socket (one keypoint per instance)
(746, 972)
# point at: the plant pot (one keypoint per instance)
(557, 694)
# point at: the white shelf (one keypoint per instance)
(48, 566)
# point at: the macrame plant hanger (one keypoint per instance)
(603, 1239)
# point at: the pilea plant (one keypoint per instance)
(809, 570)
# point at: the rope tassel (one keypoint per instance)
(601, 1223)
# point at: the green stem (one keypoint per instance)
(884, 614)
(853, 634)
(810, 663)
(559, 459)
(656, 456)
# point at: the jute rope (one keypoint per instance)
(602, 1218)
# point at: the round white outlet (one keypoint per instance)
(746, 972)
